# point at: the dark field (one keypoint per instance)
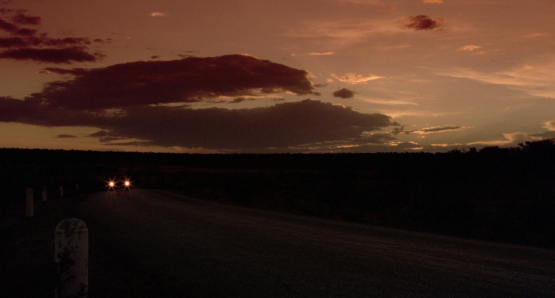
(494, 194)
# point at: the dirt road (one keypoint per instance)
(189, 248)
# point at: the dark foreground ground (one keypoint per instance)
(156, 244)
(27, 257)
(494, 195)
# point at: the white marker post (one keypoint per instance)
(29, 202)
(44, 194)
(61, 191)
(72, 258)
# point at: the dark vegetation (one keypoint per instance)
(494, 194)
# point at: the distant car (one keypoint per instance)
(114, 184)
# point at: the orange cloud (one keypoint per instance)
(470, 48)
(322, 54)
(353, 78)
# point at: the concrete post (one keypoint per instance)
(44, 194)
(61, 191)
(72, 258)
(29, 202)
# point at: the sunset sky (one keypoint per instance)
(257, 76)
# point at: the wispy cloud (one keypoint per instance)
(157, 14)
(515, 138)
(510, 140)
(428, 130)
(438, 129)
(322, 54)
(550, 133)
(433, 1)
(353, 78)
(386, 101)
(344, 32)
(536, 79)
(549, 125)
(470, 48)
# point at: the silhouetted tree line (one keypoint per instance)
(492, 193)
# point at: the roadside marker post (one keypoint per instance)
(61, 191)
(29, 202)
(72, 258)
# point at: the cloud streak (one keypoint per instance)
(536, 79)
(353, 78)
(345, 32)
(65, 55)
(427, 130)
(321, 54)
(470, 48)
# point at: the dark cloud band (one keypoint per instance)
(124, 102)
(64, 55)
(187, 80)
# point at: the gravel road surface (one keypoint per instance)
(192, 248)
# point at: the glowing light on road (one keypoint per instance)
(111, 184)
(127, 184)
